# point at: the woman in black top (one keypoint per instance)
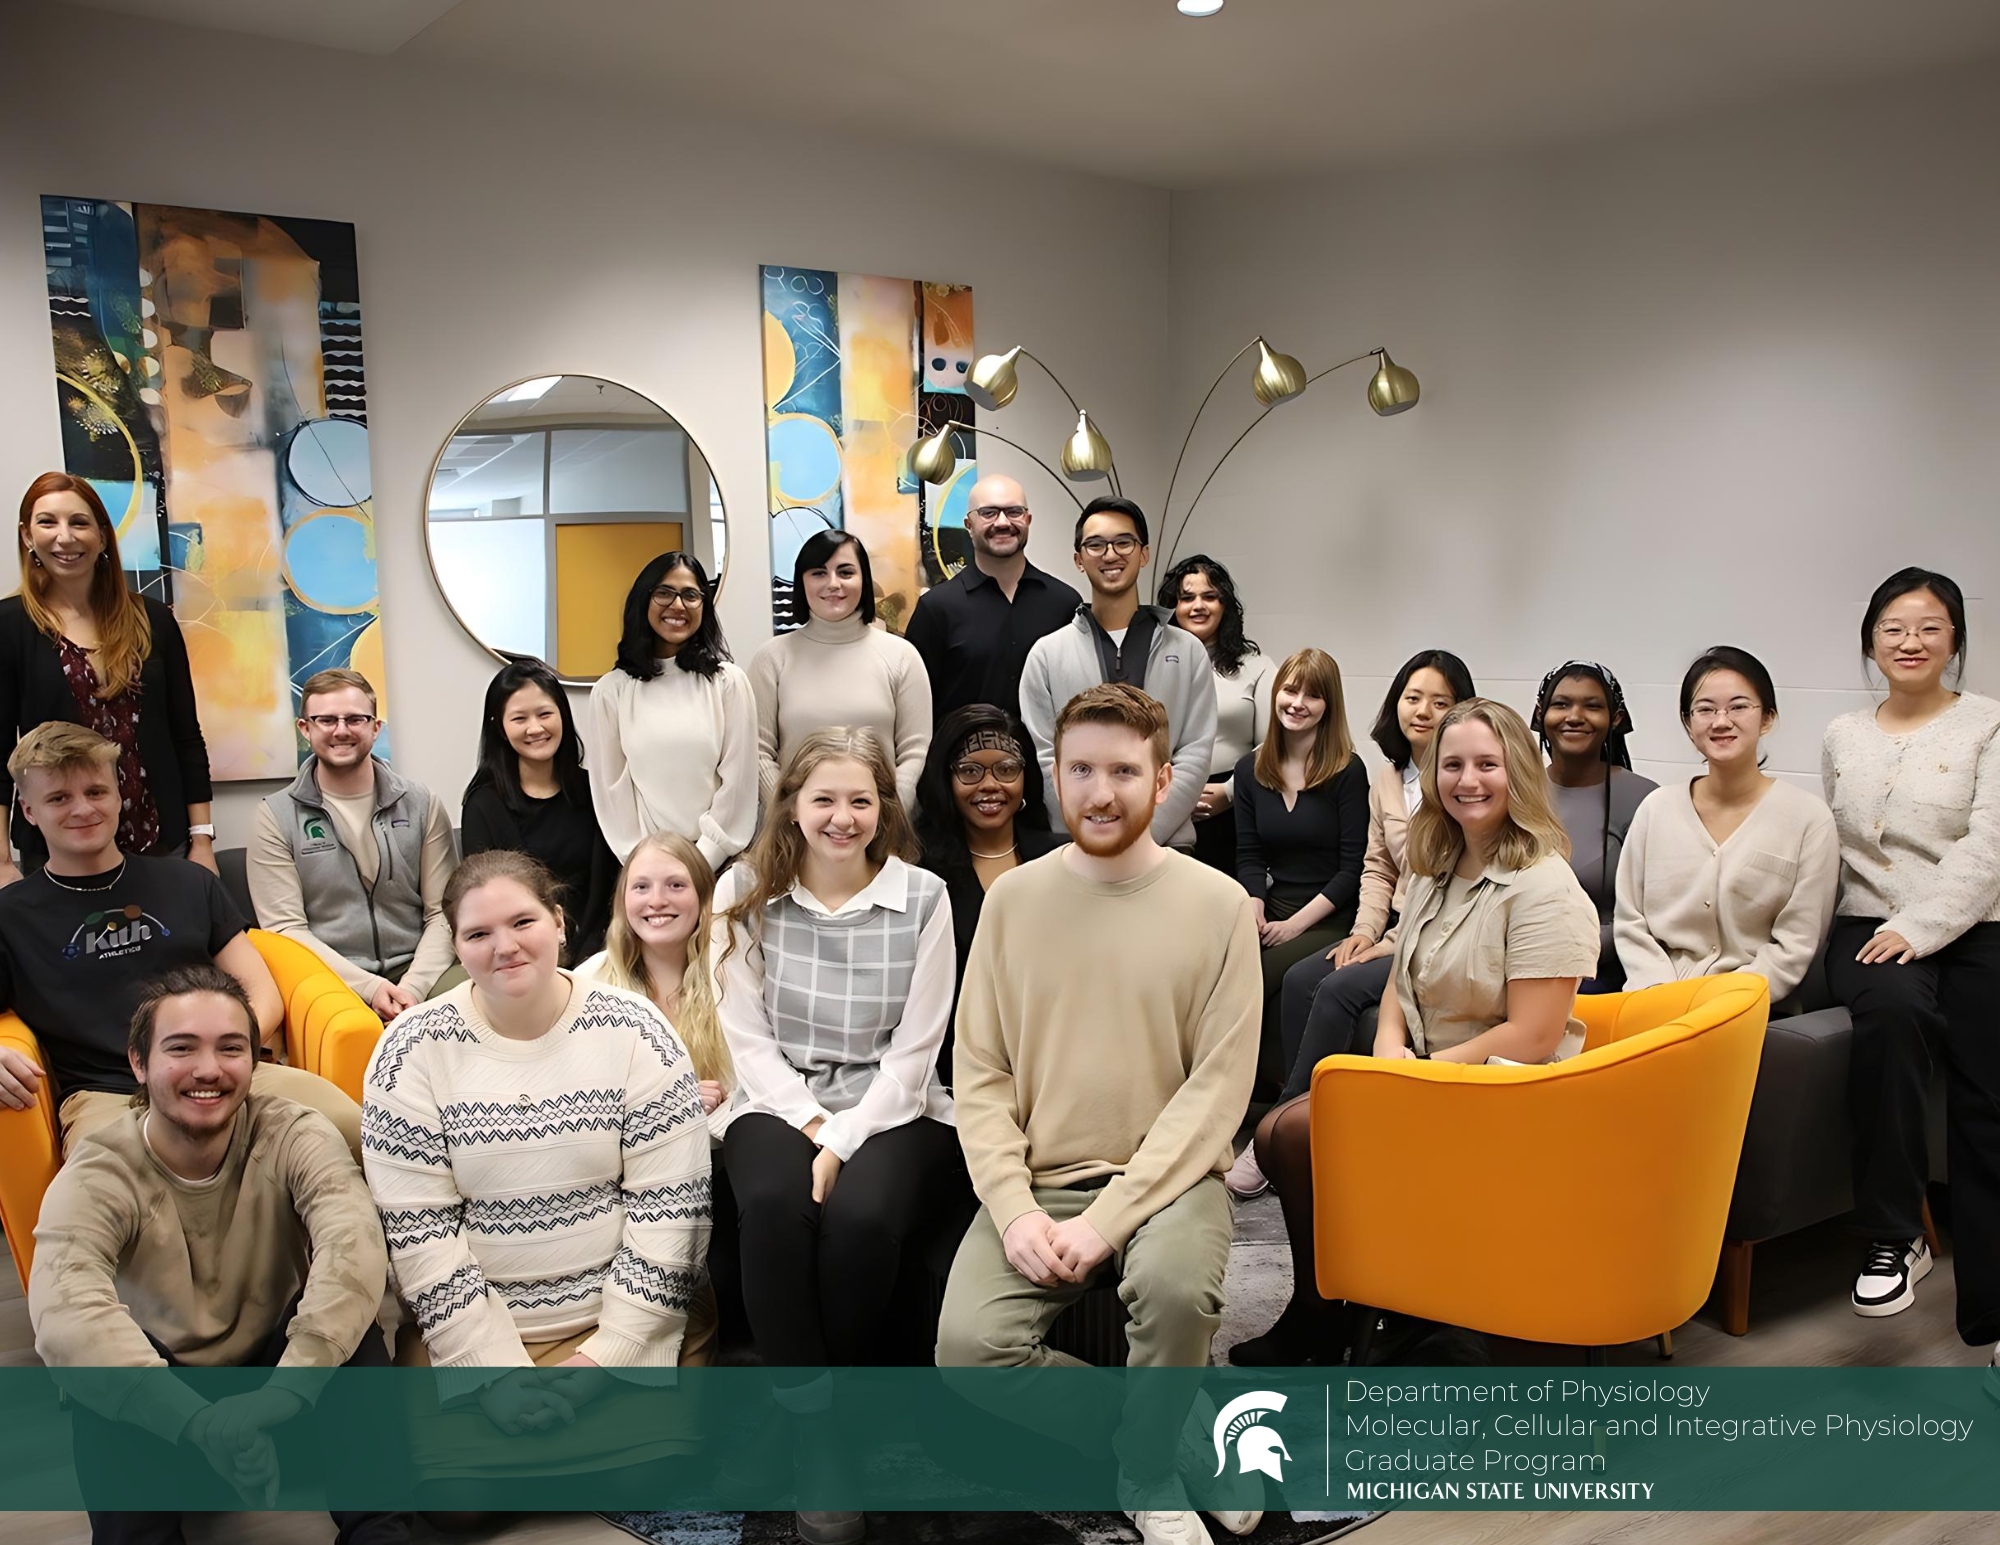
(532, 795)
(1301, 830)
(77, 644)
(979, 813)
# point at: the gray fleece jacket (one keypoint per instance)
(1178, 674)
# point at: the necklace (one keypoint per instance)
(1003, 853)
(86, 890)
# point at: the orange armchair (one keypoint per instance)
(1431, 1179)
(328, 1031)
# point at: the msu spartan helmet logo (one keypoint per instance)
(1258, 1447)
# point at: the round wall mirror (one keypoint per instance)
(545, 503)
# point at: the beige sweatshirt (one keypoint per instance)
(1106, 1029)
(125, 1249)
(842, 674)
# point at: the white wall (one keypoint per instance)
(505, 231)
(1696, 386)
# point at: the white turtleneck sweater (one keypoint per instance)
(841, 675)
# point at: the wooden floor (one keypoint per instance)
(1799, 1317)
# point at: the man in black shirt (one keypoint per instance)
(975, 630)
(82, 938)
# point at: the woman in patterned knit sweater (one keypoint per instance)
(536, 1145)
(836, 973)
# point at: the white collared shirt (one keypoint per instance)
(1413, 788)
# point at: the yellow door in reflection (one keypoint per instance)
(596, 562)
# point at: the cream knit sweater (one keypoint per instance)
(845, 675)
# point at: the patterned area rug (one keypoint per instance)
(977, 1528)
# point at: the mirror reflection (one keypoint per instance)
(544, 503)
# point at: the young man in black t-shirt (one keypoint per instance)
(81, 939)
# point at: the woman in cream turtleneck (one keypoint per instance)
(838, 671)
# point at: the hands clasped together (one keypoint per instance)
(234, 1436)
(1047, 1252)
(543, 1399)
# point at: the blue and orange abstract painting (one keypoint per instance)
(210, 383)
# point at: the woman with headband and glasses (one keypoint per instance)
(1581, 717)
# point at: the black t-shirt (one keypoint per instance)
(564, 835)
(77, 953)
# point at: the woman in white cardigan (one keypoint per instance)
(838, 671)
(1204, 602)
(1915, 952)
(1732, 870)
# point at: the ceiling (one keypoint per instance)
(1131, 89)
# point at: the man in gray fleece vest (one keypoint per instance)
(1114, 638)
(352, 860)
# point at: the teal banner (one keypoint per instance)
(726, 1439)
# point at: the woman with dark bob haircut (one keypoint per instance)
(531, 795)
(1203, 599)
(673, 727)
(836, 670)
(1915, 949)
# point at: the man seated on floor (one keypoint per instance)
(1107, 1037)
(212, 1225)
(352, 859)
(81, 938)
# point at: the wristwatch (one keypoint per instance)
(202, 829)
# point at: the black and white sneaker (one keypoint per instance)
(1889, 1277)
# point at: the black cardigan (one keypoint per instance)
(1317, 846)
(33, 691)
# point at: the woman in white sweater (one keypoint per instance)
(673, 726)
(1732, 870)
(1915, 952)
(1204, 602)
(838, 670)
(536, 1148)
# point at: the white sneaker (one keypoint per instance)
(1162, 1528)
(1246, 1177)
(1196, 1434)
(1889, 1277)
(1238, 1523)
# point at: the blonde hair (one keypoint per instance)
(59, 746)
(1319, 674)
(695, 1021)
(337, 678)
(1532, 830)
(124, 631)
(775, 857)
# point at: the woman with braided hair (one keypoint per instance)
(1581, 717)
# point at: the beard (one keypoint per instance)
(1100, 842)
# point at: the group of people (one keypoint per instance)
(749, 1009)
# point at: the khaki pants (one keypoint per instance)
(1170, 1281)
(87, 1110)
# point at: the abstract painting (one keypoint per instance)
(856, 369)
(210, 383)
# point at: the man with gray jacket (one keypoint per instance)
(1114, 638)
(350, 859)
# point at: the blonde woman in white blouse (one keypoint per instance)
(1732, 870)
(1915, 952)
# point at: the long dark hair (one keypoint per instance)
(703, 653)
(816, 552)
(940, 829)
(1614, 750)
(1230, 648)
(500, 764)
(1388, 733)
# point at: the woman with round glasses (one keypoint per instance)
(1732, 870)
(673, 727)
(1915, 952)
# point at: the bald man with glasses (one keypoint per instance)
(975, 630)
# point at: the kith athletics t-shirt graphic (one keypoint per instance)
(119, 931)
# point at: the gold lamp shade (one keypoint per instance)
(1086, 454)
(1280, 377)
(933, 458)
(1392, 389)
(992, 383)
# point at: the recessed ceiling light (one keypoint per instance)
(1198, 7)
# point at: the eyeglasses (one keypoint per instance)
(995, 511)
(1098, 546)
(973, 773)
(1932, 634)
(666, 595)
(1741, 709)
(340, 721)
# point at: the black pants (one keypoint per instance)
(1905, 1018)
(1324, 1014)
(817, 1278)
(341, 1420)
(1215, 840)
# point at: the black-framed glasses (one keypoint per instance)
(666, 595)
(972, 774)
(995, 511)
(1098, 546)
(340, 721)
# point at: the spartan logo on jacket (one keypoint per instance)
(115, 931)
(318, 833)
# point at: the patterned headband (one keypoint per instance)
(991, 740)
